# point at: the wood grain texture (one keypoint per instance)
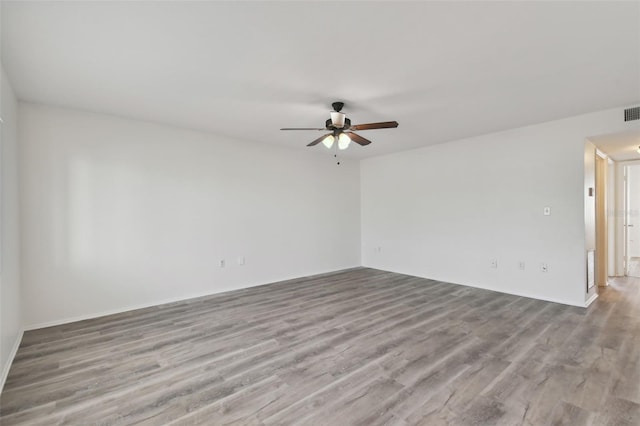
(357, 347)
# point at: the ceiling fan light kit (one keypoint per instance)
(340, 128)
(328, 141)
(343, 141)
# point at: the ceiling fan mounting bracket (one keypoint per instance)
(337, 106)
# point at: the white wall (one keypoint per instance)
(119, 213)
(10, 305)
(590, 210)
(446, 211)
(589, 201)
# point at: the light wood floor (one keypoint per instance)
(356, 347)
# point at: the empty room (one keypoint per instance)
(319, 213)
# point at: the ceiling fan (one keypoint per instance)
(341, 129)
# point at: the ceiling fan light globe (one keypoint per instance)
(337, 119)
(343, 141)
(328, 141)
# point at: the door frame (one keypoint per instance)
(626, 223)
(602, 228)
(625, 220)
(621, 216)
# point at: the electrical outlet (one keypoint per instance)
(544, 267)
(494, 263)
(221, 263)
(521, 265)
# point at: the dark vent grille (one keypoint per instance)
(632, 114)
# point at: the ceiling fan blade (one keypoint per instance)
(358, 139)
(370, 126)
(317, 141)
(302, 128)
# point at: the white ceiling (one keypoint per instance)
(443, 70)
(619, 146)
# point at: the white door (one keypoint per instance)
(632, 219)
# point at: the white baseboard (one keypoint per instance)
(513, 293)
(12, 355)
(166, 301)
(120, 310)
(591, 299)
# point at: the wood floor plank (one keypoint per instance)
(354, 347)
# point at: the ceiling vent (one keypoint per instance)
(632, 114)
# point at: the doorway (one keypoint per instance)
(619, 154)
(632, 220)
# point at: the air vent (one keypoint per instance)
(632, 114)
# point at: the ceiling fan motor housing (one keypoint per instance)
(337, 119)
(330, 125)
